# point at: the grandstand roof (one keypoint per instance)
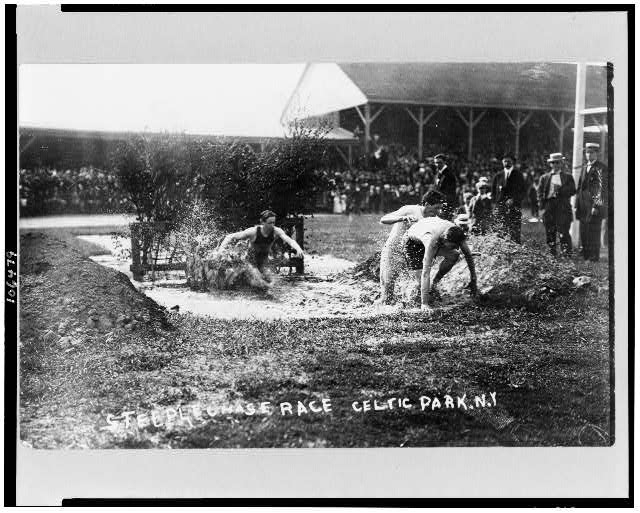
(334, 135)
(541, 86)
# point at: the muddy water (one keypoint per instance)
(323, 292)
(289, 299)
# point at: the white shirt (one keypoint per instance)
(556, 183)
(507, 172)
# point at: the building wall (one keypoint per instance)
(63, 152)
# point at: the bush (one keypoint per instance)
(223, 182)
(157, 176)
(286, 177)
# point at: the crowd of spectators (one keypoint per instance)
(393, 176)
(86, 190)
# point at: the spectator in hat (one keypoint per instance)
(480, 208)
(446, 184)
(554, 196)
(591, 202)
(508, 190)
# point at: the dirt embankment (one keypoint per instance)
(71, 303)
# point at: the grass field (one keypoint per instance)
(548, 371)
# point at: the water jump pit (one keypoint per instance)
(509, 276)
(325, 290)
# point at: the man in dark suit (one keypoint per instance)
(446, 184)
(554, 197)
(591, 202)
(508, 190)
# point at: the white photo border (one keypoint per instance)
(46, 477)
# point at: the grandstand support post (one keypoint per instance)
(578, 139)
(561, 124)
(25, 146)
(420, 132)
(367, 129)
(518, 123)
(471, 123)
(367, 119)
(347, 159)
(421, 121)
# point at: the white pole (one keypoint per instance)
(561, 129)
(470, 148)
(578, 137)
(421, 133)
(367, 130)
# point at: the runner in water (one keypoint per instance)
(391, 257)
(261, 238)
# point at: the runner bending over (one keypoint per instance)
(261, 238)
(391, 257)
(429, 238)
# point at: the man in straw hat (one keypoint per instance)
(554, 197)
(508, 190)
(591, 202)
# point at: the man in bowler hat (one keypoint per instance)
(554, 198)
(508, 190)
(591, 202)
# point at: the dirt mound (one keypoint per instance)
(368, 269)
(65, 296)
(509, 274)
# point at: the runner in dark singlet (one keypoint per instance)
(261, 238)
(261, 247)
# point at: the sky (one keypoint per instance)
(219, 99)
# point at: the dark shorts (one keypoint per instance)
(413, 253)
(258, 259)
